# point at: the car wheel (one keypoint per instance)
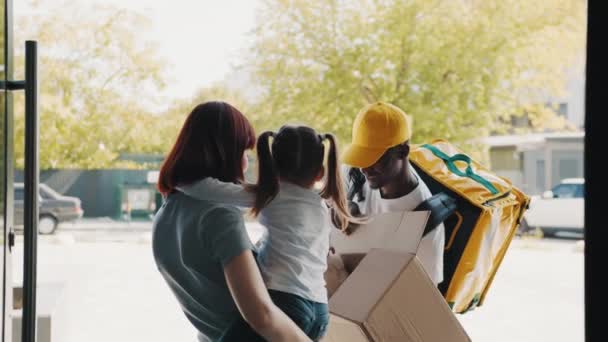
(523, 227)
(549, 234)
(47, 225)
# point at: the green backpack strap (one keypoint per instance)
(469, 173)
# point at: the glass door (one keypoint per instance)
(27, 298)
(6, 175)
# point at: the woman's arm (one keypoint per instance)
(251, 297)
(224, 236)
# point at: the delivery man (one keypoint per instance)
(379, 150)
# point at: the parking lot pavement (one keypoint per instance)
(537, 295)
(108, 230)
(105, 224)
(115, 293)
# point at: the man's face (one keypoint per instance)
(387, 169)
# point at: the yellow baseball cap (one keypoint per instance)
(378, 127)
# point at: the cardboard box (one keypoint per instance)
(400, 231)
(335, 275)
(389, 297)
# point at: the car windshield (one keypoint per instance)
(568, 191)
(18, 194)
(45, 192)
(48, 193)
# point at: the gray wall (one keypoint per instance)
(99, 190)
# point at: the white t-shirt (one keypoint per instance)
(293, 256)
(293, 259)
(430, 250)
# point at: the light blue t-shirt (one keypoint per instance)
(192, 241)
(293, 256)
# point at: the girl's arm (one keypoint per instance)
(211, 189)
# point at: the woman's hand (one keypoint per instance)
(253, 301)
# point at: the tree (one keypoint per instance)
(96, 79)
(172, 120)
(458, 67)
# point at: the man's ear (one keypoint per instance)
(404, 149)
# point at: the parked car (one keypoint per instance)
(561, 209)
(54, 208)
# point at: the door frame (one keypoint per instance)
(8, 234)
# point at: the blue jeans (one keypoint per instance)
(311, 317)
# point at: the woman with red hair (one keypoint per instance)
(201, 247)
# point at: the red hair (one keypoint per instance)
(210, 144)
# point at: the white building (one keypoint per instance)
(537, 162)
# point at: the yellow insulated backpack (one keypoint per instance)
(488, 210)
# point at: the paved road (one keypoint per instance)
(537, 296)
(114, 292)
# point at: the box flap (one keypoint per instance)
(342, 330)
(401, 231)
(409, 234)
(335, 274)
(357, 296)
(414, 310)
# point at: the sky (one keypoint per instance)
(184, 30)
(201, 39)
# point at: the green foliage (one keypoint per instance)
(94, 76)
(461, 68)
(457, 67)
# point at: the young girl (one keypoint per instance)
(201, 248)
(293, 259)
